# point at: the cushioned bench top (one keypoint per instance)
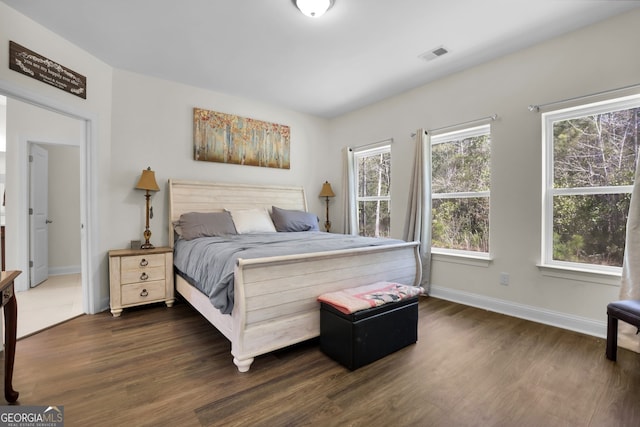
(625, 310)
(363, 297)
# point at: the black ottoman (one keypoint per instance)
(626, 310)
(365, 336)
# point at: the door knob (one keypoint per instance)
(48, 221)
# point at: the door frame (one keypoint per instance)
(88, 195)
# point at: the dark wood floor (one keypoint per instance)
(159, 366)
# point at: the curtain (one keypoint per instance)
(350, 220)
(630, 284)
(418, 223)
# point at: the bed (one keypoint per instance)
(275, 297)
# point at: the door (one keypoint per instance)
(38, 215)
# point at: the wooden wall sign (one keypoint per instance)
(38, 67)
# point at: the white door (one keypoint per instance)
(38, 213)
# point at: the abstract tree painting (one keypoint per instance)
(226, 138)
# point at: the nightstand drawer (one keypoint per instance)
(142, 275)
(142, 262)
(137, 293)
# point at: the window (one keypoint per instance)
(373, 197)
(460, 182)
(590, 153)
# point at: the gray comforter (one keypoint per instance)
(208, 262)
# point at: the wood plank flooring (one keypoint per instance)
(158, 366)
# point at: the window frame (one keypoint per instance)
(548, 190)
(457, 135)
(381, 148)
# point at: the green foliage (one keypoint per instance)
(568, 250)
(374, 183)
(590, 152)
(590, 229)
(374, 218)
(374, 175)
(461, 224)
(597, 150)
(461, 166)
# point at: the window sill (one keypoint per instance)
(609, 278)
(476, 260)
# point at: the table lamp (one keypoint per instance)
(327, 192)
(147, 182)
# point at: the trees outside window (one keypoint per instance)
(590, 160)
(373, 197)
(460, 182)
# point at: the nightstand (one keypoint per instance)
(140, 276)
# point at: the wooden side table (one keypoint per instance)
(140, 276)
(10, 323)
(2, 244)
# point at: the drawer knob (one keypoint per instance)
(144, 262)
(144, 293)
(144, 276)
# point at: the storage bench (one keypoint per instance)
(354, 335)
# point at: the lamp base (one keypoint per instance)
(327, 223)
(147, 236)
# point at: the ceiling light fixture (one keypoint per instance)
(313, 8)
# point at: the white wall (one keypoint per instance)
(97, 107)
(3, 125)
(591, 60)
(3, 154)
(29, 124)
(64, 209)
(143, 121)
(3, 148)
(153, 126)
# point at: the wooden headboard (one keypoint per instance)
(200, 196)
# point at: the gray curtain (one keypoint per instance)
(349, 191)
(630, 284)
(418, 223)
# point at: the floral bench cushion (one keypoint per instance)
(363, 297)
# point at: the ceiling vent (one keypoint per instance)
(433, 53)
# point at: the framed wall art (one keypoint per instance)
(226, 138)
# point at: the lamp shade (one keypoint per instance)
(148, 181)
(313, 8)
(326, 190)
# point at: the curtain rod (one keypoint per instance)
(537, 107)
(389, 140)
(492, 117)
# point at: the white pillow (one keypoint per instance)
(256, 220)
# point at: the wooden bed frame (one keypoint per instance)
(275, 302)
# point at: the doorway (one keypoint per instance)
(54, 188)
(62, 254)
(55, 292)
(92, 300)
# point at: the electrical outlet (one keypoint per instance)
(504, 279)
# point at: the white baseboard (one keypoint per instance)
(59, 271)
(528, 312)
(105, 305)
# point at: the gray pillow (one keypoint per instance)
(204, 224)
(289, 220)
